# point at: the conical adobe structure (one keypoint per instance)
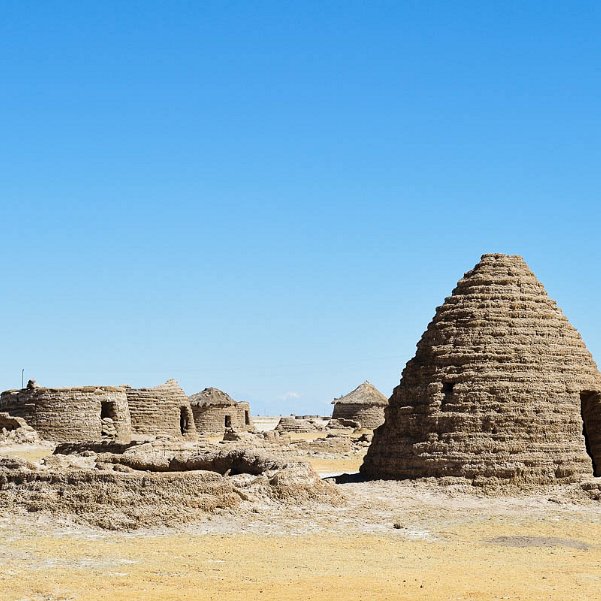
(501, 388)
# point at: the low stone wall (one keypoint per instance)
(161, 411)
(369, 416)
(216, 418)
(90, 413)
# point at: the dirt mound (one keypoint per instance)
(154, 485)
(343, 424)
(15, 430)
(116, 500)
(332, 444)
(298, 425)
(271, 477)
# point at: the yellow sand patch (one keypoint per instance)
(454, 565)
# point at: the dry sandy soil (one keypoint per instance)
(448, 544)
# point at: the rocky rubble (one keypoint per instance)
(14, 430)
(160, 483)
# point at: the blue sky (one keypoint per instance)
(273, 197)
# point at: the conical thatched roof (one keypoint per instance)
(211, 396)
(495, 390)
(364, 394)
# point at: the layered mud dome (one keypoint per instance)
(501, 388)
(155, 484)
(365, 405)
(216, 411)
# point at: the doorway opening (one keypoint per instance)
(590, 410)
(185, 420)
(228, 421)
(246, 418)
(108, 410)
(108, 420)
(447, 390)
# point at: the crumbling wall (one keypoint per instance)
(71, 414)
(161, 411)
(369, 416)
(215, 418)
(15, 430)
(297, 425)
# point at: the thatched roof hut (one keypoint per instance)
(365, 405)
(215, 410)
(501, 388)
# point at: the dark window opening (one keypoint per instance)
(108, 410)
(108, 417)
(228, 421)
(590, 410)
(246, 418)
(184, 420)
(447, 390)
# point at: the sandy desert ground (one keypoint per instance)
(390, 540)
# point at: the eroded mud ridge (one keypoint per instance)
(501, 387)
(156, 484)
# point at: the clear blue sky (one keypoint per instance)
(273, 197)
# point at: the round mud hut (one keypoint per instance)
(80, 414)
(297, 425)
(364, 405)
(501, 389)
(161, 411)
(215, 410)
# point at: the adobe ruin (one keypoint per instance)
(161, 411)
(501, 389)
(215, 411)
(91, 413)
(365, 405)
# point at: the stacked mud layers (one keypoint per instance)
(297, 425)
(215, 410)
(71, 414)
(498, 390)
(365, 405)
(161, 411)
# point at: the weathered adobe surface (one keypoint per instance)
(71, 414)
(161, 411)
(215, 410)
(15, 430)
(494, 390)
(367, 416)
(297, 425)
(115, 500)
(365, 405)
(156, 484)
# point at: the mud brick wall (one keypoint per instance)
(369, 416)
(212, 418)
(70, 414)
(161, 411)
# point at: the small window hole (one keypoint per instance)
(447, 390)
(184, 420)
